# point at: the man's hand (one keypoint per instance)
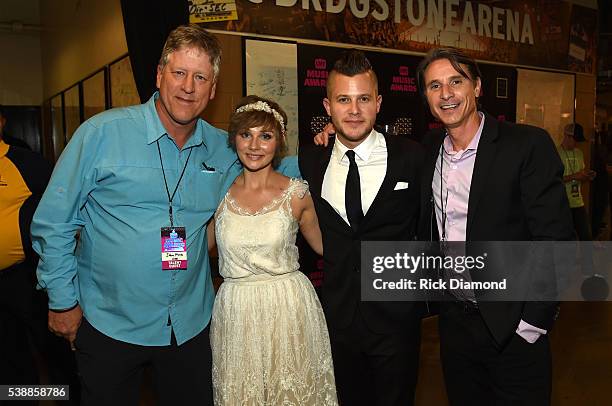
(322, 138)
(66, 324)
(585, 175)
(591, 174)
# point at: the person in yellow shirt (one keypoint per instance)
(23, 178)
(574, 175)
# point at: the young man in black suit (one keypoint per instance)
(486, 180)
(365, 186)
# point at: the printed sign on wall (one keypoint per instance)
(525, 32)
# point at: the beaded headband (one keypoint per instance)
(263, 106)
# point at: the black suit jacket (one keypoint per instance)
(516, 194)
(392, 216)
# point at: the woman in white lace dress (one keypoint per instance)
(268, 333)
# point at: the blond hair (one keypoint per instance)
(193, 36)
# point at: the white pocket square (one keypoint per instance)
(401, 186)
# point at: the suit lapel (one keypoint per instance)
(429, 170)
(485, 157)
(316, 186)
(430, 166)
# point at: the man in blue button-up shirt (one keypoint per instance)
(113, 185)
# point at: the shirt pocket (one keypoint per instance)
(202, 192)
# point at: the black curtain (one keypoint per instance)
(147, 24)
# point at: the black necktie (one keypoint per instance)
(352, 193)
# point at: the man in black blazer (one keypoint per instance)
(365, 187)
(486, 180)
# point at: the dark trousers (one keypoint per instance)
(20, 323)
(375, 369)
(581, 223)
(111, 370)
(21, 327)
(583, 232)
(479, 373)
(24, 333)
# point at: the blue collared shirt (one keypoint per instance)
(108, 185)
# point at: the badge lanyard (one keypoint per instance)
(171, 197)
(571, 162)
(443, 200)
(573, 168)
(173, 239)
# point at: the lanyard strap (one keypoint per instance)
(166, 182)
(443, 200)
(572, 162)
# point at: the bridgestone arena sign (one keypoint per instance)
(477, 19)
(550, 34)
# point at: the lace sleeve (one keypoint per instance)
(298, 188)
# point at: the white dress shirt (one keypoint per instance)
(371, 159)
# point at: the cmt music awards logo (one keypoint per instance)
(404, 82)
(317, 77)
